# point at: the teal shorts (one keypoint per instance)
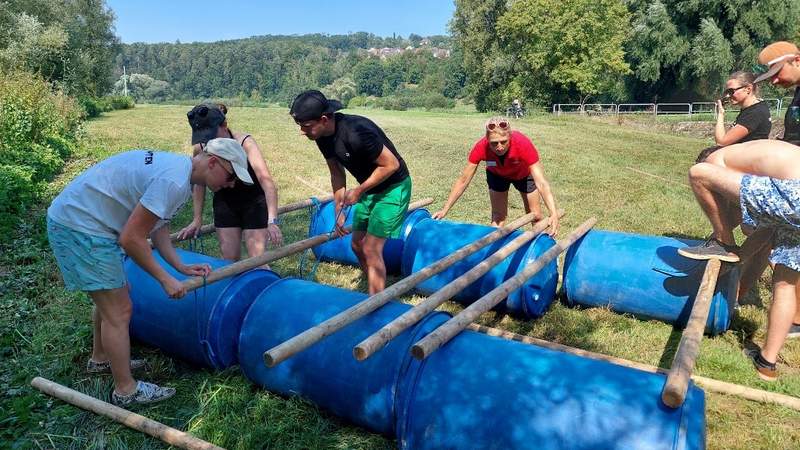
(382, 214)
(87, 262)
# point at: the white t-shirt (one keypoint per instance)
(100, 200)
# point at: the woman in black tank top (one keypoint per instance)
(243, 211)
(753, 121)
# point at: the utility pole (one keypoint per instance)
(124, 82)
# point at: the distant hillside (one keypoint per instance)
(275, 68)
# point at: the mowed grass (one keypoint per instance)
(631, 179)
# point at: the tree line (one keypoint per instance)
(568, 51)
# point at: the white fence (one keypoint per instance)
(657, 109)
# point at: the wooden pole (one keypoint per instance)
(313, 335)
(710, 384)
(452, 327)
(130, 419)
(677, 383)
(380, 338)
(244, 265)
(210, 228)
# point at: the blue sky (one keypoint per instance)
(206, 21)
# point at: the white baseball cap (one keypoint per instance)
(233, 152)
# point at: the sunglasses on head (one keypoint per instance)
(729, 92)
(503, 125)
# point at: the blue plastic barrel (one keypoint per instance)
(644, 276)
(340, 250)
(431, 240)
(326, 373)
(483, 392)
(202, 327)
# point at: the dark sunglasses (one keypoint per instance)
(503, 125)
(729, 92)
(231, 175)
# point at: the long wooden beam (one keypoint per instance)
(130, 419)
(455, 325)
(710, 384)
(380, 338)
(677, 384)
(313, 335)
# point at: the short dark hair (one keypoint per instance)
(706, 152)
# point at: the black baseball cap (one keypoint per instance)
(311, 105)
(205, 119)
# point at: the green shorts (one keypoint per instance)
(381, 214)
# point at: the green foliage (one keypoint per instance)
(342, 89)
(38, 130)
(276, 68)
(693, 45)
(71, 43)
(17, 193)
(368, 75)
(571, 48)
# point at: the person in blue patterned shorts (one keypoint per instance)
(756, 183)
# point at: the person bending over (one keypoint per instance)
(511, 159)
(382, 196)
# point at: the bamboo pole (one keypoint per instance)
(244, 265)
(677, 383)
(710, 384)
(313, 335)
(272, 255)
(210, 228)
(130, 419)
(380, 338)
(452, 327)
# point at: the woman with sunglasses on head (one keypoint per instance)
(753, 121)
(511, 158)
(243, 211)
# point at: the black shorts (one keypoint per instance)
(501, 184)
(248, 212)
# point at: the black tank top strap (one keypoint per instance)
(244, 139)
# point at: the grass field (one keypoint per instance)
(631, 179)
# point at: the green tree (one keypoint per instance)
(69, 42)
(342, 89)
(571, 48)
(368, 75)
(474, 30)
(682, 45)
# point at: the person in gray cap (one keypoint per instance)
(246, 211)
(381, 198)
(113, 207)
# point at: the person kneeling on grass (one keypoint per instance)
(510, 159)
(762, 178)
(114, 206)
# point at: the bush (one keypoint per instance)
(121, 102)
(38, 131)
(17, 193)
(91, 107)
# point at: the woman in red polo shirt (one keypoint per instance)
(510, 159)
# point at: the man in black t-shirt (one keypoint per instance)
(381, 198)
(783, 62)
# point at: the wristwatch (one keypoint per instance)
(273, 220)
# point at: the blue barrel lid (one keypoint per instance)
(225, 321)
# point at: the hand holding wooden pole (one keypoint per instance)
(210, 228)
(680, 372)
(455, 325)
(380, 338)
(313, 335)
(156, 429)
